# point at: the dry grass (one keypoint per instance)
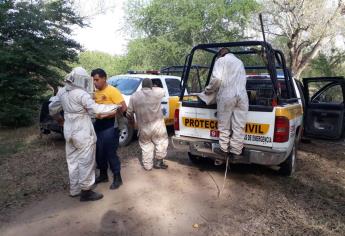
(30, 167)
(257, 201)
(13, 141)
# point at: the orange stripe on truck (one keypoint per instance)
(251, 128)
(173, 105)
(290, 112)
(200, 123)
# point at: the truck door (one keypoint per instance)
(324, 109)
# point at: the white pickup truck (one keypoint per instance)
(128, 84)
(131, 82)
(275, 120)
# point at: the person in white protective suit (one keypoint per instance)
(228, 81)
(153, 137)
(79, 133)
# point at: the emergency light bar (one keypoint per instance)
(150, 72)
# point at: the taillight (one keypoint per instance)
(214, 133)
(281, 129)
(176, 119)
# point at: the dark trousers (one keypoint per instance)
(106, 147)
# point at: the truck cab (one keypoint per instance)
(275, 118)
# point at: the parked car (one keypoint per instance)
(128, 84)
(131, 82)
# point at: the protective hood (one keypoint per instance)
(79, 78)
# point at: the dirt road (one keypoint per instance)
(180, 201)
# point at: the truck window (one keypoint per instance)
(157, 83)
(127, 85)
(325, 92)
(259, 90)
(174, 87)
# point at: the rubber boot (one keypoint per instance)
(117, 181)
(236, 157)
(89, 195)
(102, 178)
(159, 164)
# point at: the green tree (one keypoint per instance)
(167, 30)
(304, 27)
(35, 48)
(326, 64)
(113, 65)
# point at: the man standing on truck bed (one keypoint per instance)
(107, 130)
(228, 80)
(153, 137)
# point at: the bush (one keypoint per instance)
(35, 51)
(19, 98)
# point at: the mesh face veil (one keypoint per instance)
(80, 78)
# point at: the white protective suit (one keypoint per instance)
(79, 133)
(228, 80)
(153, 136)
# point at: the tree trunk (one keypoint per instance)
(300, 62)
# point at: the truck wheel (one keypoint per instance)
(125, 134)
(288, 167)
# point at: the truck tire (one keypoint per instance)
(126, 134)
(288, 167)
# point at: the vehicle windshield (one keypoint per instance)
(127, 85)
